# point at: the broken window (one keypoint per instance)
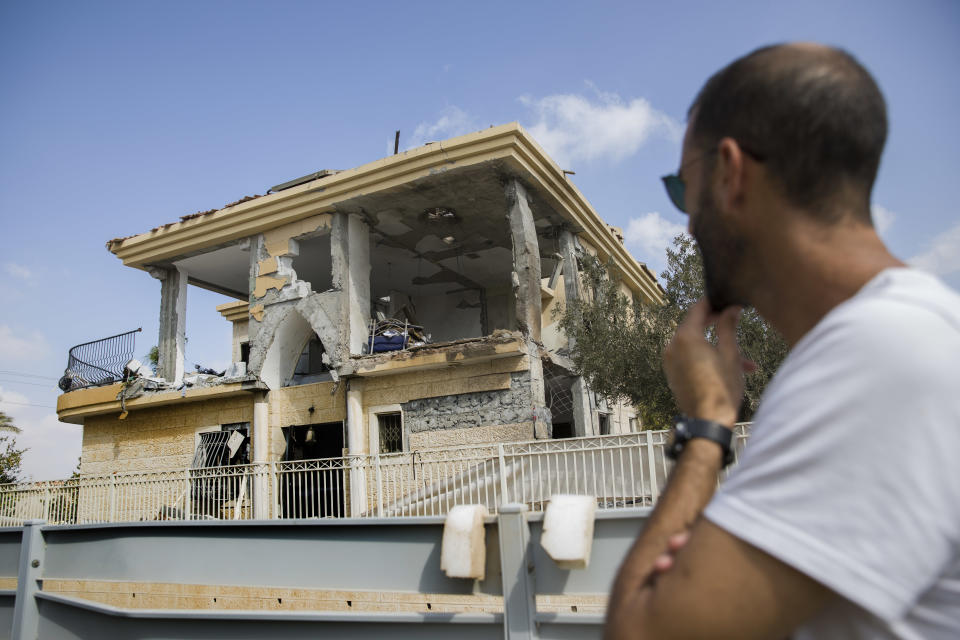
(390, 426)
(213, 488)
(229, 446)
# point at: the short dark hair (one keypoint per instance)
(812, 113)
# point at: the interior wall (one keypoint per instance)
(551, 335)
(444, 320)
(500, 313)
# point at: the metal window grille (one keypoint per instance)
(391, 432)
(98, 362)
(211, 450)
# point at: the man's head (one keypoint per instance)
(808, 121)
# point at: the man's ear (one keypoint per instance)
(729, 174)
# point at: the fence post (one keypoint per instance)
(516, 568)
(113, 499)
(261, 492)
(651, 467)
(376, 462)
(186, 494)
(274, 491)
(26, 613)
(46, 502)
(502, 461)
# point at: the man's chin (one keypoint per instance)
(720, 299)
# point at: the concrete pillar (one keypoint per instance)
(583, 416)
(350, 265)
(173, 323)
(356, 446)
(359, 270)
(261, 456)
(526, 259)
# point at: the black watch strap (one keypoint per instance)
(686, 429)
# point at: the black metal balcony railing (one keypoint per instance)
(98, 362)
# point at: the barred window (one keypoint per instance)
(215, 448)
(391, 432)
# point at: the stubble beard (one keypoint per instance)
(722, 254)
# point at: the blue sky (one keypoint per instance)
(118, 117)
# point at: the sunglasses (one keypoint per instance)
(677, 188)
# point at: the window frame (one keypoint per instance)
(373, 428)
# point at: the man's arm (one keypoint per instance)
(719, 586)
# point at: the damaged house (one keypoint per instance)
(399, 307)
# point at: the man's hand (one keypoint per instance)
(707, 380)
(664, 561)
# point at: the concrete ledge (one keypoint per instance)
(76, 405)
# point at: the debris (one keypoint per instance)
(208, 371)
(395, 335)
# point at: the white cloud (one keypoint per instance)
(18, 270)
(943, 255)
(650, 235)
(452, 122)
(31, 346)
(883, 218)
(573, 127)
(10, 400)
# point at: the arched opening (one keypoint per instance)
(284, 352)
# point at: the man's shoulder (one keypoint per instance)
(900, 310)
(896, 342)
(902, 293)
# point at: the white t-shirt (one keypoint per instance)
(852, 471)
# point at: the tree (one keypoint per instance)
(6, 423)
(10, 456)
(619, 343)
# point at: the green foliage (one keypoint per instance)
(10, 459)
(153, 357)
(6, 423)
(619, 344)
(10, 456)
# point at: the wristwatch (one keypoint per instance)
(687, 428)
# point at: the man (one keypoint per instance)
(842, 518)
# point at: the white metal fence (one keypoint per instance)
(620, 470)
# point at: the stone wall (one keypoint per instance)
(508, 406)
(156, 438)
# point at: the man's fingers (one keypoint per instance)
(699, 316)
(663, 563)
(727, 333)
(748, 365)
(677, 541)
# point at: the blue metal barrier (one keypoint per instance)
(387, 555)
